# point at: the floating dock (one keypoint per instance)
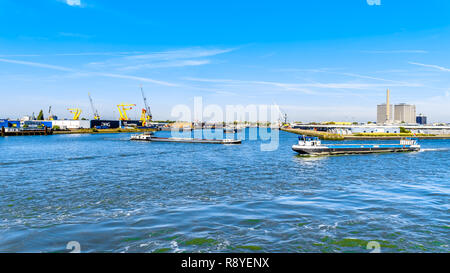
(146, 137)
(313, 146)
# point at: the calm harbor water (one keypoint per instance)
(113, 195)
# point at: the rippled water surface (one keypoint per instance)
(114, 195)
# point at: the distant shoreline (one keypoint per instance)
(328, 136)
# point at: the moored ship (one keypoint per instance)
(148, 137)
(313, 146)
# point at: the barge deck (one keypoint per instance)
(313, 146)
(185, 140)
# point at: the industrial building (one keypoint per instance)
(71, 124)
(405, 113)
(369, 128)
(36, 124)
(421, 119)
(9, 123)
(349, 129)
(395, 114)
(382, 114)
(105, 124)
(385, 111)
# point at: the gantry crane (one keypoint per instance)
(123, 108)
(94, 111)
(76, 113)
(146, 116)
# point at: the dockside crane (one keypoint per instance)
(76, 113)
(94, 111)
(123, 108)
(50, 114)
(283, 117)
(146, 116)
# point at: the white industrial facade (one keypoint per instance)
(350, 129)
(72, 124)
(405, 113)
(382, 114)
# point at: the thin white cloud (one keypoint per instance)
(41, 65)
(84, 73)
(441, 68)
(304, 86)
(129, 77)
(188, 53)
(413, 51)
(162, 59)
(181, 63)
(74, 35)
(118, 54)
(73, 3)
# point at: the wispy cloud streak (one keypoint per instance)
(414, 51)
(162, 59)
(303, 86)
(180, 63)
(73, 3)
(188, 53)
(41, 65)
(441, 68)
(84, 73)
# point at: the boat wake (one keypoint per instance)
(434, 149)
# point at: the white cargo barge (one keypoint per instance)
(313, 146)
(146, 137)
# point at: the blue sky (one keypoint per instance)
(319, 60)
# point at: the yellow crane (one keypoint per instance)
(76, 112)
(123, 108)
(144, 117)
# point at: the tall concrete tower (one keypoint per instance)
(388, 106)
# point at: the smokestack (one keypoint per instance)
(388, 108)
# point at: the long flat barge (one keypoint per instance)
(146, 137)
(25, 132)
(313, 146)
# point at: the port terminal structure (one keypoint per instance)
(346, 129)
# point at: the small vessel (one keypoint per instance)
(147, 137)
(228, 130)
(313, 146)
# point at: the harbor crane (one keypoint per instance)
(76, 112)
(146, 116)
(283, 117)
(94, 111)
(50, 114)
(123, 108)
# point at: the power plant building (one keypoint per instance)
(399, 113)
(405, 113)
(385, 111)
(382, 114)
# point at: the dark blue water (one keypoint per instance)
(113, 195)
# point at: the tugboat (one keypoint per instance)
(313, 146)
